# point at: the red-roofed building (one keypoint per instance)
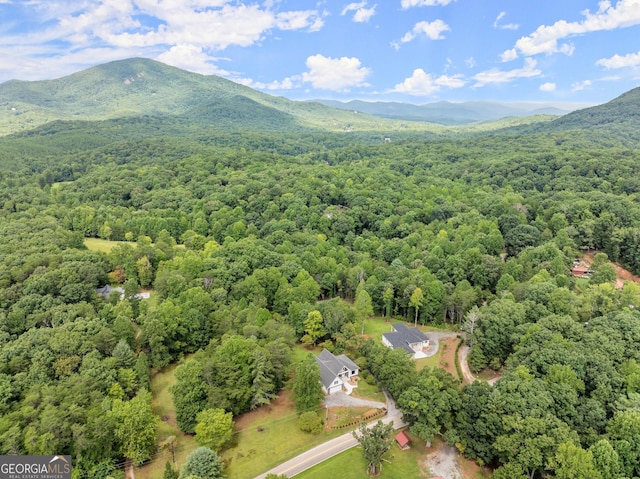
(581, 271)
(403, 440)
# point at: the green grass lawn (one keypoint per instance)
(430, 362)
(351, 465)
(374, 327)
(300, 352)
(368, 391)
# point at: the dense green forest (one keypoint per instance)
(241, 219)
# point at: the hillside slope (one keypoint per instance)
(617, 120)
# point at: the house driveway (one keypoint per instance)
(340, 399)
(434, 342)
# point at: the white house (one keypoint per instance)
(337, 373)
(412, 340)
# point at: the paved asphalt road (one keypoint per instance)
(330, 448)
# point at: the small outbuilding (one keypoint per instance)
(403, 440)
(581, 271)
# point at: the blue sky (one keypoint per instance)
(417, 51)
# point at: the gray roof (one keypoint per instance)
(107, 289)
(402, 336)
(330, 366)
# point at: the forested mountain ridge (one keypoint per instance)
(613, 123)
(138, 86)
(623, 109)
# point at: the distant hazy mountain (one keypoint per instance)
(449, 113)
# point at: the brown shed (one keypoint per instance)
(403, 440)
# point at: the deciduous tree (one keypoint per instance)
(307, 390)
(135, 427)
(375, 442)
(214, 428)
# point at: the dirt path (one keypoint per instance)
(448, 355)
(463, 352)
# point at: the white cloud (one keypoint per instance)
(421, 83)
(509, 55)
(184, 33)
(620, 61)
(338, 74)
(209, 24)
(549, 86)
(496, 75)
(424, 3)
(546, 38)
(362, 13)
(505, 26)
(432, 30)
(470, 62)
(579, 86)
(298, 20)
(288, 83)
(192, 58)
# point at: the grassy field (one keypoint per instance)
(368, 391)
(98, 244)
(162, 405)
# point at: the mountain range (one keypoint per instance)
(180, 100)
(139, 86)
(450, 113)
